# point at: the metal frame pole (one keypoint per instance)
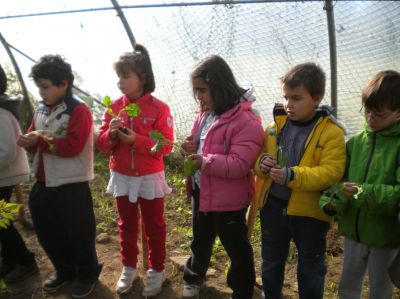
(332, 53)
(124, 22)
(26, 111)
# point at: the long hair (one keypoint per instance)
(138, 62)
(216, 73)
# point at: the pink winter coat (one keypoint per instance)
(230, 149)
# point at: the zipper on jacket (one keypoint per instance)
(131, 126)
(364, 178)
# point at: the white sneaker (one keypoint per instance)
(154, 283)
(128, 276)
(190, 291)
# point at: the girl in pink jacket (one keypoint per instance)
(225, 141)
(137, 173)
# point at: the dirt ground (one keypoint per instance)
(215, 286)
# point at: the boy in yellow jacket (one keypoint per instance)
(303, 154)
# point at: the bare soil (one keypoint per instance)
(177, 246)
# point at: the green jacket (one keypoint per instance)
(370, 217)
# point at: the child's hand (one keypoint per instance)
(189, 145)
(28, 140)
(197, 159)
(266, 164)
(128, 137)
(115, 125)
(349, 189)
(278, 175)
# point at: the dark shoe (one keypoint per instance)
(82, 290)
(20, 273)
(5, 269)
(55, 282)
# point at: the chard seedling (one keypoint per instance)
(131, 109)
(7, 211)
(281, 157)
(188, 165)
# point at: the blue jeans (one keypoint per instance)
(309, 236)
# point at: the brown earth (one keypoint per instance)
(177, 245)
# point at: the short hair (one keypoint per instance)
(308, 74)
(216, 73)
(3, 81)
(138, 62)
(53, 68)
(382, 91)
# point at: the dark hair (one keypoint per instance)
(382, 91)
(310, 75)
(216, 73)
(3, 81)
(53, 68)
(138, 62)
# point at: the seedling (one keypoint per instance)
(7, 211)
(48, 136)
(188, 165)
(132, 110)
(281, 157)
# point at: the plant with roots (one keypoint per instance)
(188, 165)
(337, 190)
(48, 136)
(281, 157)
(132, 110)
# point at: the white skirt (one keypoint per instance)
(148, 186)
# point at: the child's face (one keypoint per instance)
(130, 84)
(299, 104)
(203, 94)
(50, 93)
(383, 119)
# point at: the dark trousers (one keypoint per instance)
(231, 229)
(309, 236)
(64, 221)
(13, 248)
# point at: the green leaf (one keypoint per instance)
(107, 101)
(132, 109)
(157, 147)
(189, 167)
(53, 148)
(155, 135)
(281, 157)
(335, 190)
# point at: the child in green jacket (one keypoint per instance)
(366, 207)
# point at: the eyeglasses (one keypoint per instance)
(373, 116)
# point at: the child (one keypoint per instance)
(61, 139)
(311, 149)
(17, 261)
(225, 141)
(367, 209)
(137, 173)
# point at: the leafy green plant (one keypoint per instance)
(281, 157)
(188, 165)
(132, 109)
(7, 211)
(48, 136)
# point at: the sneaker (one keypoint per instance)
(128, 276)
(55, 282)
(20, 273)
(82, 290)
(154, 283)
(191, 291)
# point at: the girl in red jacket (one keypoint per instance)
(136, 173)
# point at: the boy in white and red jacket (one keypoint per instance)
(61, 139)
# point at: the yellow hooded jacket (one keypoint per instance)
(322, 165)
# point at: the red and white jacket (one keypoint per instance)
(137, 159)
